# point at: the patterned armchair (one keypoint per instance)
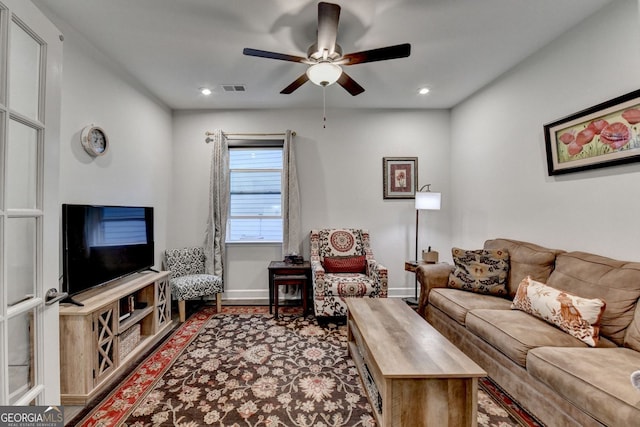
(188, 279)
(343, 266)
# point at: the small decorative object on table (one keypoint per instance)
(293, 259)
(429, 256)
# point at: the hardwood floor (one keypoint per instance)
(70, 412)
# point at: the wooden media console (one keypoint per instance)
(117, 323)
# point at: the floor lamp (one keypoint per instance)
(425, 200)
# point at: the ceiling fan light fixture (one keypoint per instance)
(324, 73)
(324, 57)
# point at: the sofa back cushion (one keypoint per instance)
(482, 271)
(526, 259)
(339, 242)
(595, 276)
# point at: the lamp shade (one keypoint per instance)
(428, 200)
(324, 73)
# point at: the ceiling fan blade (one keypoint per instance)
(296, 84)
(380, 54)
(350, 85)
(273, 55)
(328, 17)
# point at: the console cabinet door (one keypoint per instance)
(163, 300)
(104, 333)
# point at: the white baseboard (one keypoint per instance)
(263, 294)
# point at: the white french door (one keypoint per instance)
(30, 79)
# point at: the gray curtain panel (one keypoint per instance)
(216, 231)
(291, 227)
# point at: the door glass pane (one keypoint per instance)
(22, 166)
(21, 351)
(24, 69)
(21, 258)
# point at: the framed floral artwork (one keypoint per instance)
(604, 135)
(400, 177)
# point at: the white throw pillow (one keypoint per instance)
(577, 316)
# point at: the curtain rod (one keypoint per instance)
(293, 133)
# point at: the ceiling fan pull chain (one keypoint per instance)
(324, 107)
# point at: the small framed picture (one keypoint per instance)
(400, 177)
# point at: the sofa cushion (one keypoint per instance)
(514, 332)
(580, 376)
(594, 276)
(346, 285)
(579, 317)
(195, 286)
(456, 303)
(482, 271)
(525, 259)
(344, 264)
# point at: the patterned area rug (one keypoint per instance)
(244, 368)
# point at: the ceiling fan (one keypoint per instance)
(325, 56)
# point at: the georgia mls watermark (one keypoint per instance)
(31, 416)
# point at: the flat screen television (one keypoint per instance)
(104, 243)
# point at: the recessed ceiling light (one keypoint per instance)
(423, 91)
(205, 91)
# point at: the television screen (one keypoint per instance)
(103, 243)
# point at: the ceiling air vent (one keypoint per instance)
(234, 88)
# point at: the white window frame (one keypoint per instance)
(253, 144)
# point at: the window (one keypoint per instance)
(255, 203)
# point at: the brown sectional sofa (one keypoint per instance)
(558, 378)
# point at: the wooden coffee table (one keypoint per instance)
(413, 376)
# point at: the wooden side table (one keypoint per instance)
(412, 266)
(281, 268)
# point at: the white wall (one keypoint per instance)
(499, 179)
(486, 157)
(137, 168)
(340, 174)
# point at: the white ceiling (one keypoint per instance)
(175, 47)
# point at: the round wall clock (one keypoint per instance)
(94, 140)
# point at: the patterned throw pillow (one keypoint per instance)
(482, 271)
(577, 316)
(344, 264)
